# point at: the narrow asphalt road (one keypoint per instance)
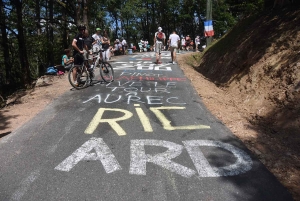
(145, 136)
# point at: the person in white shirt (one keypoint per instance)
(119, 46)
(97, 37)
(197, 43)
(146, 44)
(159, 41)
(183, 43)
(124, 46)
(174, 41)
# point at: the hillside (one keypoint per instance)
(250, 79)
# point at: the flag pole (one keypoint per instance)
(208, 17)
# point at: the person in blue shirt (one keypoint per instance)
(67, 61)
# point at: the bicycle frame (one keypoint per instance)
(99, 57)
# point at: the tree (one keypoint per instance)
(26, 78)
(4, 43)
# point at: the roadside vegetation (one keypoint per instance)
(256, 66)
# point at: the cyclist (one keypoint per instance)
(78, 46)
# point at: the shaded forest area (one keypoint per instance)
(34, 33)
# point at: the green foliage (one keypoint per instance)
(132, 19)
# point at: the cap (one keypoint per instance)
(98, 29)
(117, 40)
(159, 28)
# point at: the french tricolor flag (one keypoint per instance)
(208, 27)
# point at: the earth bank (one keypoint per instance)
(250, 80)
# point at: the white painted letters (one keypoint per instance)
(102, 153)
(243, 161)
(139, 158)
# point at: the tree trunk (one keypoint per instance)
(5, 46)
(117, 26)
(51, 37)
(65, 29)
(38, 17)
(26, 79)
(78, 12)
(85, 13)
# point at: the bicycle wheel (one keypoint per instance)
(82, 77)
(107, 72)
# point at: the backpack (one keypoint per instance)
(160, 36)
(51, 71)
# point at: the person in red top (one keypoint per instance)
(159, 41)
(187, 42)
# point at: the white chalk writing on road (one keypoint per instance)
(139, 158)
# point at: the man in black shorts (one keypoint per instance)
(78, 46)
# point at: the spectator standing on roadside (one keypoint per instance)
(174, 41)
(105, 46)
(159, 41)
(183, 43)
(124, 46)
(97, 36)
(119, 46)
(197, 42)
(89, 42)
(187, 42)
(192, 44)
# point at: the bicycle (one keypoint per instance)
(83, 77)
(106, 70)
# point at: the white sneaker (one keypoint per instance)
(174, 62)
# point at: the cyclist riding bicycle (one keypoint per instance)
(78, 46)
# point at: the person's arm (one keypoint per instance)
(104, 42)
(94, 41)
(154, 38)
(86, 48)
(66, 61)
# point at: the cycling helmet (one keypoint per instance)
(81, 27)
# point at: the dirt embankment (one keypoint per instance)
(250, 79)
